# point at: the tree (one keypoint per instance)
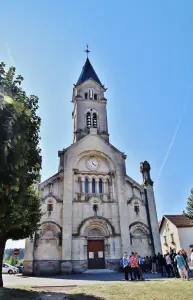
(11, 260)
(20, 161)
(189, 208)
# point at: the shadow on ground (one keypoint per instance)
(20, 294)
(17, 294)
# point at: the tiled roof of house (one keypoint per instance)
(179, 220)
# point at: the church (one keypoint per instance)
(93, 211)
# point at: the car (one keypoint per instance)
(8, 269)
(20, 268)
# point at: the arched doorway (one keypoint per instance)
(96, 249)
(97, 232)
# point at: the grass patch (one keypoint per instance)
(149, 290)
(154, 290)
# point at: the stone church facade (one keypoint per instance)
(93, 211)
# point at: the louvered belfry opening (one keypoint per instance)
(88, 119)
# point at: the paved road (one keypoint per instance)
(69, 280)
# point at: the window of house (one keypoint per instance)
(93, 185)
(136, 208)
(165, 240)
(86, 185)
(86, 95)
(100, 186)
(88, 120)
(94, 120)
(95, 96)
(172, 237)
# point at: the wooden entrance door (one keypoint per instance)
(96, 255)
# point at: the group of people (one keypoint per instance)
(171, 264)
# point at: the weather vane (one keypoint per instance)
(87, 51)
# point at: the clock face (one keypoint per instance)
(92, 164)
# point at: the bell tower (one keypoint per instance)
(90, 113)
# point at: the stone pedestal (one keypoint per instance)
(66, 267)
(28, 268)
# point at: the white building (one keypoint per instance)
(176, 232)
(93, 211)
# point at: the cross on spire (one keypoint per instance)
(87, 51)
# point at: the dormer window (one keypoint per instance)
(86, 95)
(95, 97)
(90, 91)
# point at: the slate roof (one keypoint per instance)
(180, 221)
(88, 73)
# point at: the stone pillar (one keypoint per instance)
(83, 185)
(153, 219)
(29, 257)
(123, 210)
(97, 186)
(113, 188)
(151, 206)
(66, 264)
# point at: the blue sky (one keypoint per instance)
(141, 50)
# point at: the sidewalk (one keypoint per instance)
(73, 280)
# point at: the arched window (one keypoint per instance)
(86, 185)
(88, 120)
(79, 185)
(100, 186)
(136, 208)
(93, 185)
(86, 95)
(49, 207)
(94, 120)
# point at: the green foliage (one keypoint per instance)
(20, 160)
(189, 208)
(9, 252)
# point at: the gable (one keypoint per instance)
(93, 144)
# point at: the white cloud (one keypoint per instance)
(15, 244)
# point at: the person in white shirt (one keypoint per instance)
(191, 257)
(169, 267)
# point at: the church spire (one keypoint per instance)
(88, 72)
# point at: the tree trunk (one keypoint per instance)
(2, 248)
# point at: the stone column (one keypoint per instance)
(90, 185)
(83, 189)
(83, 185)
(122, 204)
(29, 257)
(97, 186)
(66, 264)
(113, 188)
(153, 219)
(151, 206)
